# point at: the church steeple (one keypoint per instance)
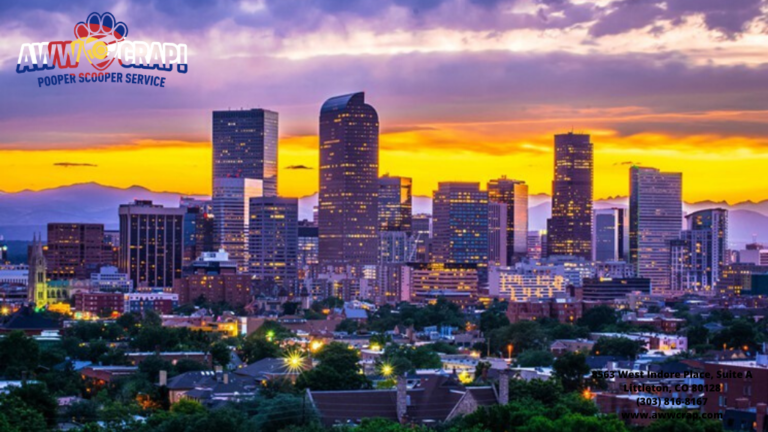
(37, 292)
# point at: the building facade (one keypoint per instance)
(231, 216)
(151, 243)
(274, 240)
(460, 225)
(245, 146)
(75, 250)
(655, 220)
(348, 216)
(610, 241)
(569, 230)
(514, 194)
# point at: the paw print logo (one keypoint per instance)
(97, 37)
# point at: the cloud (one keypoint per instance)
(74, 164)
(627, 163)
(298, 167)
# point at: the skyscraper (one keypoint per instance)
(37, 285)
(348, 218)
(245, 146)
(610, 240)
(231, 216)
(699, 257)
(274, 240)
(460, 225)
(655, 219)
(497, 234)
(569, 230)
(151, 243)
(395, 204)
(513, 193)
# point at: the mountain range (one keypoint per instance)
(26, 212)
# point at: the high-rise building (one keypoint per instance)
(231, 216)
(394, 247)
(348, 217)
(699, 257)
(245, 146)
(610, 241)
(151, 243)
(497, 234)
(569, 230)
(274, 240)
(75, 250)
(198, 233)
(421, 238)
(535, 246)
(395, 204)
(655, 220)
(514, 194)
(460, 225)
(308, 245)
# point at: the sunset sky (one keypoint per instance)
(465, 90)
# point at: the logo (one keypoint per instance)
(101, 41)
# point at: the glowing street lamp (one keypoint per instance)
(387, 370)
(270, 335)
(294, 361)
(315, 345)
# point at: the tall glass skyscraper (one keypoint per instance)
(610, 237)
(273, 238)
(348, 218)
(245, 146)
(655, 220)
(569, 230)
(395, 203)
(231, 198)
(699, 257)
(513, 193)
(460, 225)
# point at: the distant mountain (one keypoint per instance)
(23, 213)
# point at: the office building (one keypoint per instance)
(245, 147)
(231, 216)
(514, 194)
(610, 241)
(497, 234)
(610, 289)
(75, 250)
(348, 217)
(523, 284)
(425, 282)
(569, 230)
(110, 279)
(151, 243)
(421, 238)
(460, 226)
(655, 220)
(395, 204)
(394, 247)
(198, 231)
(274, 240)
(308, 245)
(536, 244)
(710, 227)
(214, 279)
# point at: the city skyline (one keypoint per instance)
(667, 101)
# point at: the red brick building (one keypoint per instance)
(99, 302)
(564, 310)
(737, 389)
(215, 279)
(75, 250)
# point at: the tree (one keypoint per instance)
(256, 348)
(522, 335)
(684, 424)
(37, 397)
(221, 354)
(17, 416)
(348, 326)
(598, 317)
(739, 334)
(18, 354)
(152, 365)
(618, 346)
(84, 411)
(188, 365)
(272, 331)
(187, 407)
(338, 369)
(282, 411)
(422, 357)
(535, 358)
(697, 335)
(570, 369)
(494, 317)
